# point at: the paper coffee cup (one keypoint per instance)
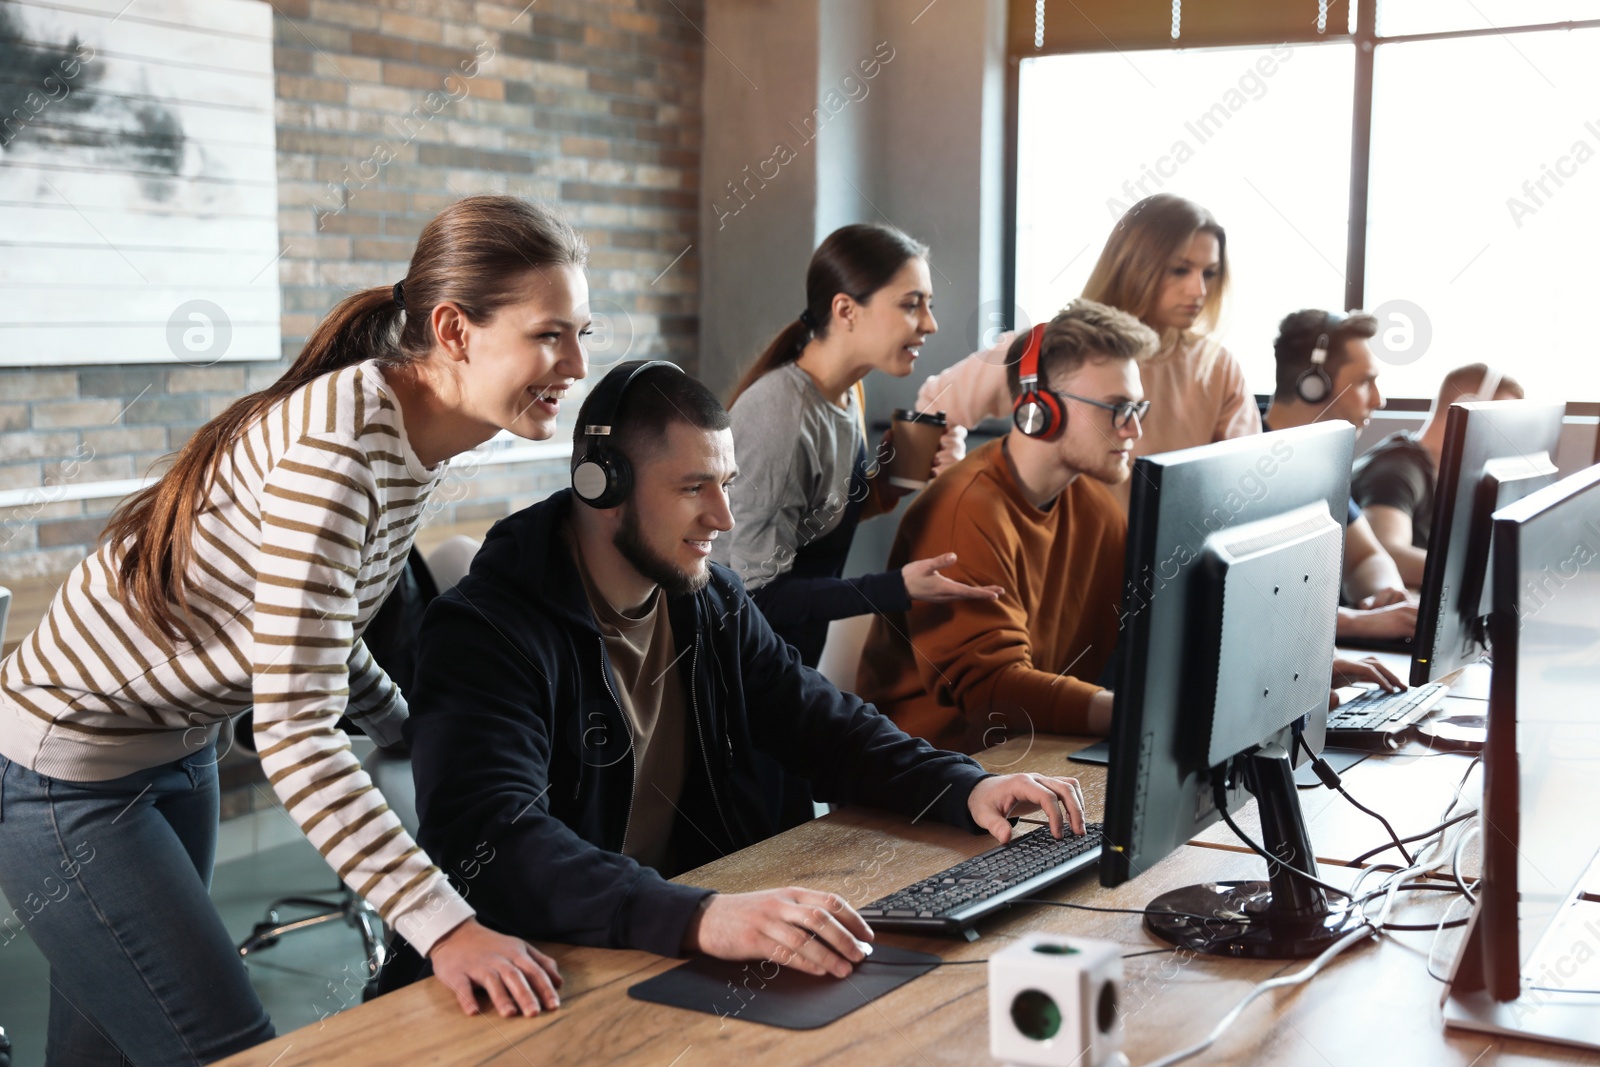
(916, 443)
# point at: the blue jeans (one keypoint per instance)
(111, 881)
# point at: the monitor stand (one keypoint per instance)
(1282, 918)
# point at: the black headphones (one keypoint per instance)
(1036, 412)
(1314, 385)
(604, 475)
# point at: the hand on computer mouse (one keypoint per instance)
(994, 800)
(811, 931)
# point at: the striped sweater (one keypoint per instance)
(305, 529)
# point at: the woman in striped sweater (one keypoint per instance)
(244, 578)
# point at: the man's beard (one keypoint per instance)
(630, 541)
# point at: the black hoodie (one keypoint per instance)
(524, 766)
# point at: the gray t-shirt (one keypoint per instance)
(795, 449)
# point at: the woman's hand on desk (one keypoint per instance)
(995, 800)
(517, 976)
(811, 931)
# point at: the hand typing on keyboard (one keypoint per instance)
(994, 800)
(1369, 669)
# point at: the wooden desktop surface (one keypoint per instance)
(1374, 1005)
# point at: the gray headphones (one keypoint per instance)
(1314, 385)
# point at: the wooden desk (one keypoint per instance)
(1374, 1006)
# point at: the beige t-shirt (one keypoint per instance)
(651, 693)
(1196, 390)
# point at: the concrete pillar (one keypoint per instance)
(859, 110)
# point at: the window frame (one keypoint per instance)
(1213, 33)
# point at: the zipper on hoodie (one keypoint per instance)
(633, 749)
(694, 699)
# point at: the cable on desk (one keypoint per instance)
(1455, 861)
(1463, 817)
(1331, 779)
(1220, 798)
(1433, 946)
(1243, 920)
(1404, 881)
(1420, 927)
(1456, 799)
(962, 963)
(1303, 975)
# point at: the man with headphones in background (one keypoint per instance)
(1326, 370)
(588, 701)
(1031, 514)
(1394, 480)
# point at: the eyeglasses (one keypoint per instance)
(1120, 413)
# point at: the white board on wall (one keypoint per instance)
(138, 182)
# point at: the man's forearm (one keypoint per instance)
(1376, 572)
(1411, 561)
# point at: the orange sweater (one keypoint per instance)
(967, 675)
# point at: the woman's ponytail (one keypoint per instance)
(477, 254)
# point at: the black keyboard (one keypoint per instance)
(952, 900)
(1376, 719)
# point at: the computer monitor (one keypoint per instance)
(1495, 453)
(1231, 587)
(1530, 964)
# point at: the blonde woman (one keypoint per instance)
(243, 579)
(1166, 262)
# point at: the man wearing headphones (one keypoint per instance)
(1031, 514)
(589, 699)
(1394, 480)
(1326, 370)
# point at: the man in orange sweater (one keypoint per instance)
(1029, 513)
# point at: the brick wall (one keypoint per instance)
(590, 105)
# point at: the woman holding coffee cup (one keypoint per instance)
(805, 475)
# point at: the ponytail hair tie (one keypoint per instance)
(400, 295)
(808, 320)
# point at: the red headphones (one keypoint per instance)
(1036, 412)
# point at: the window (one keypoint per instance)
(1478, 185)
(1259, 136)
(1399, 17)
(1484, 204)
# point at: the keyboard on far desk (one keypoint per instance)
(1380, 720)
(952, 900)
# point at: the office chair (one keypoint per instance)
(451, 559)
(391, 775)
(391, 637)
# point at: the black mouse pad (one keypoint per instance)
(1098, 753)
(763, 992)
